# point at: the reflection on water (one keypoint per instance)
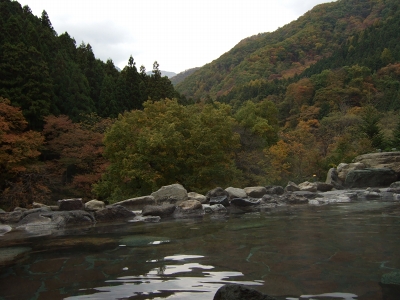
(336, 251)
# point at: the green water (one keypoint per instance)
(339, 248)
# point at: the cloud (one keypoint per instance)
(179, 34)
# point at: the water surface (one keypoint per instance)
(340, 250)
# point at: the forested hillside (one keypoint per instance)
(279, 106)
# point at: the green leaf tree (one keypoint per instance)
(169, 143)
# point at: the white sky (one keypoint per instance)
(179, 34)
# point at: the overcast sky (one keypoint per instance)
(179, 34)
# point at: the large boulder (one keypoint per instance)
(323, 186)
(370, 178)
(240, 202)
(173, 194)
(137, 203)
(19, 214)
(332, 178)
(217, 209)
(236, 193)
(239, 292)
(94, 205)
(294, 199)
(255, 191)
(162, 211)
(113, 214)
(291, 187)
(343, 169)
(275, 190)
(198, 197)
(189, 209)
(308, 186)
(217, 192)
(380, 160)
(70, 204)
(223, 200)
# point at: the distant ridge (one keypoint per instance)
(182, 75)
(163, 73)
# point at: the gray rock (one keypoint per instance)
(333, 179)
(323, 186)
(239, 292)
(223, 200)
(308, 186)
(174, 193)
(5, 229)
(396, 197)
(255, 191)
(236, 193)
(306, 194)
(94, 205)
(275, 190)
(198, 197)
(145, 219)
(217, 192)
(189, 209)
(291, 187)
(386, 160)
(313, 202)
(240, 202)
(217, 209)
(113, 214)
(137, 203)
(294, 199)
(370, 177)
(11, 217)
(343, 169)
(395, 185)
(162, 211)
(38, 205)
(70, 204)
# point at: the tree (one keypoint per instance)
(369, 127)
(18, 152)
(168, 143)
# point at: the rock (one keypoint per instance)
(217, 192)
(269, 199)
(190, 205)
(137, 203)
(370, 177)
(308, 186)
(306, 194)
(94, 205)
(223, 200)
(381, 160)
(255, 191)
(333, 179)
(5, 229)
(217, 209)
(236, 193)
(2, 211)
(294, 199)
(245, 202)
(146, 219)
(174, 193)
(292, 187)
(189, 208)
(162, 211)
(239, 292)
(70, 204)
(395, 185)
(343, 169)
(313, 202)
(11, 217)
(275, 190)
(396, 197)
(113, 213)
(38, 205)
(198, 197)
(323, 186)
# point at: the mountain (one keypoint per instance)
(326, 31)
(163, 73)
(182, 75)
